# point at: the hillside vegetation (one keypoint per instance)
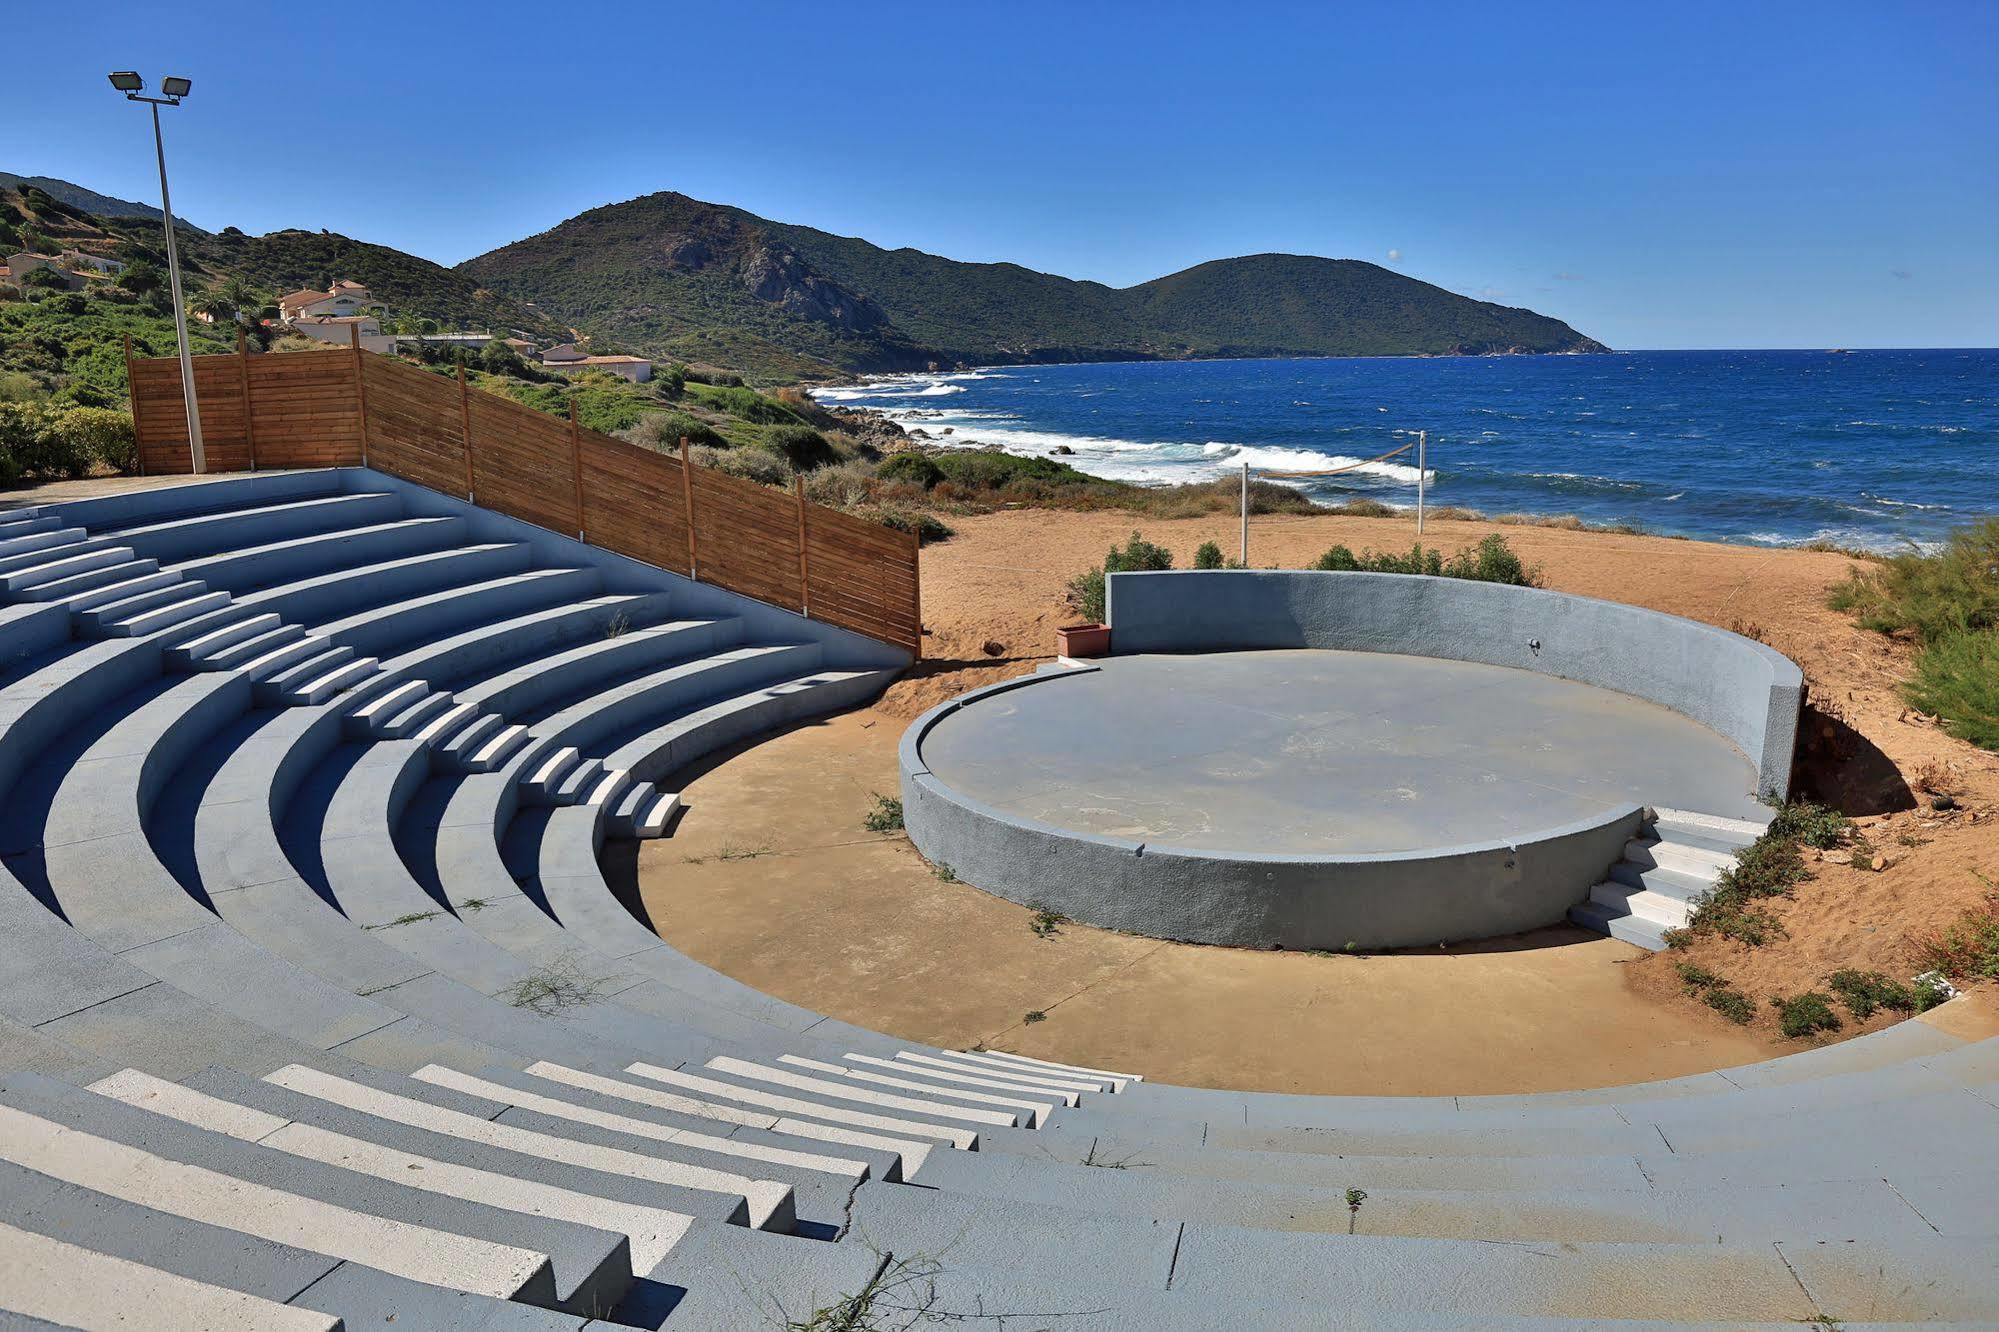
(672, 276)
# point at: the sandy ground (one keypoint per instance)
(770, 878)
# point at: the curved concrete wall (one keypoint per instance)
(1732, 685)
(1385, 900)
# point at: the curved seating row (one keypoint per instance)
(316, 999)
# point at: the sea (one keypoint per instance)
(1871, 449)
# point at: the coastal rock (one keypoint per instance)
(1061, 450)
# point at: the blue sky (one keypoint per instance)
(1685, 175)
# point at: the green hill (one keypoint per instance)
(673, 276)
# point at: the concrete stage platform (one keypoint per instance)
(1316, 751)
(1310, 798)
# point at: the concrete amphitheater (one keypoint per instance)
(315, 1006)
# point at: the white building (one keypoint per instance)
(569, 357)
(337, 330)
(342, 300)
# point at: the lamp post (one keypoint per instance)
(171, 90)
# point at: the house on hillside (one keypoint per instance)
(78, 262)
(339, 331)
(341, 300)
(569, 357)
(20, 265)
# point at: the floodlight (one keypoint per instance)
(176, 87)
(127, 81)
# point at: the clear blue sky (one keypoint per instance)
(1683, 175)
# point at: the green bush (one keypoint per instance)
(1491, 561)
(101, 434)
(759, 465)
(35, 445)
(665, 430)
(1771, 866)
(1805, 1014)
(748, 405)
(1716, 992)
(1865, 992)
(1209, 556)
(913, 468)
(1814, 825)
(928, 527)
(1086, 590)
(977, 470)
(800, 445)
(1957, 681)
(1969, 948)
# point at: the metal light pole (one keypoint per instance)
(173, 89)
(1422, 475)
(1245, 515)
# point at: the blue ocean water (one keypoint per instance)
(1868, 448)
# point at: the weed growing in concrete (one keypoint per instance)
(1033, 1016)
(410, 919)
(730, 851)
(1047, 924)
(902, 1294)
(473, 904)
(944, 873)
(1090, 1158)
(1355, 1197)
(555, 987)
(618, 625)
(1805, 1014)
(885, 817)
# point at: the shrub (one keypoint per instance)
(1491, 561)
(1931, 597)
(1771, 866)
(665, 430)
(34, 446)
(997, 471)
(928, 527)
(102, 435)
(1209, 556)
(1865, 992)
(1957, 681)
(885, 817)
(1805, 1014)
(914, 468)
(140, 277)
(800, 445)
(1716, 992)
(749, 405)
(1086, 590)
(1364, 508)
(1814, 825)
(758, 465)
(1968, 948)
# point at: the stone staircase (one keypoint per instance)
(316, 1005)
(1676, 861)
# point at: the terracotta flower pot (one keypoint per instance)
(1083, 640)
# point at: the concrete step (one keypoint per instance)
(312, 692)
(1008, 1060)
(1686, 857)
(504, 744)
(278, 685)
(610, 784)
(72, 1286)
(721, 1091)
(468, 739)
(70, 556)
(194, 653)
(28, 534)
(642, 811)
(102, 574)
(944, 1079)
(539, 785)
(652, 1232)
(367, 717)
(793, 1082)
(768, 1206)
(217, 1197)
(1720, 828)
(1682, 887)
(186, 536)
(1037, 1110)
(115, 600)
(445, 724)
(577, 783)
(273, 660)
(405, 723)
(1620, 924)
(249, 647)
(1667, 912)
(167, 614)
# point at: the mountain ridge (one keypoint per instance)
(676, 276)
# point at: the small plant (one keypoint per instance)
(1771, 866)
(555, 987)
(1814, 825)
(1086, 590)
(1047, 924)
(410, 919)
(1033, 1016)
(1968, 948)
(1866, 992)
(1091, 1158)
(617, 626)
(1805, 1014)
(885, 817)
(730, 851)
(473, 904)
(1355, 1197)
(1209, 556)
(944, 873)
(1716, 992)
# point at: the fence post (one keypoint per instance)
(243, 377)
(687, 495)
(465, 430)
(132, 392)
(804, 564)
(916, 593)
(576, 466)
(360, 388)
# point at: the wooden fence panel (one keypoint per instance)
(341, 408)
(632, 502)
(521, 464)
(414, 428)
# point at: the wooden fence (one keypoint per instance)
(348, 408)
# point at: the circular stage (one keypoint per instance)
(1310, 798)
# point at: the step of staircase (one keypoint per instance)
(1663, 876)
(1686, 856)
(115, 600)
(366, 718)
(502, 746)
(30, 567)
(194, 653)
(1688, 888)
(405, 723)
(538, 787)
(278, 685)
(288, 653)
(317, 690)
(166, 614)
(250, 647)
(102, 572)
